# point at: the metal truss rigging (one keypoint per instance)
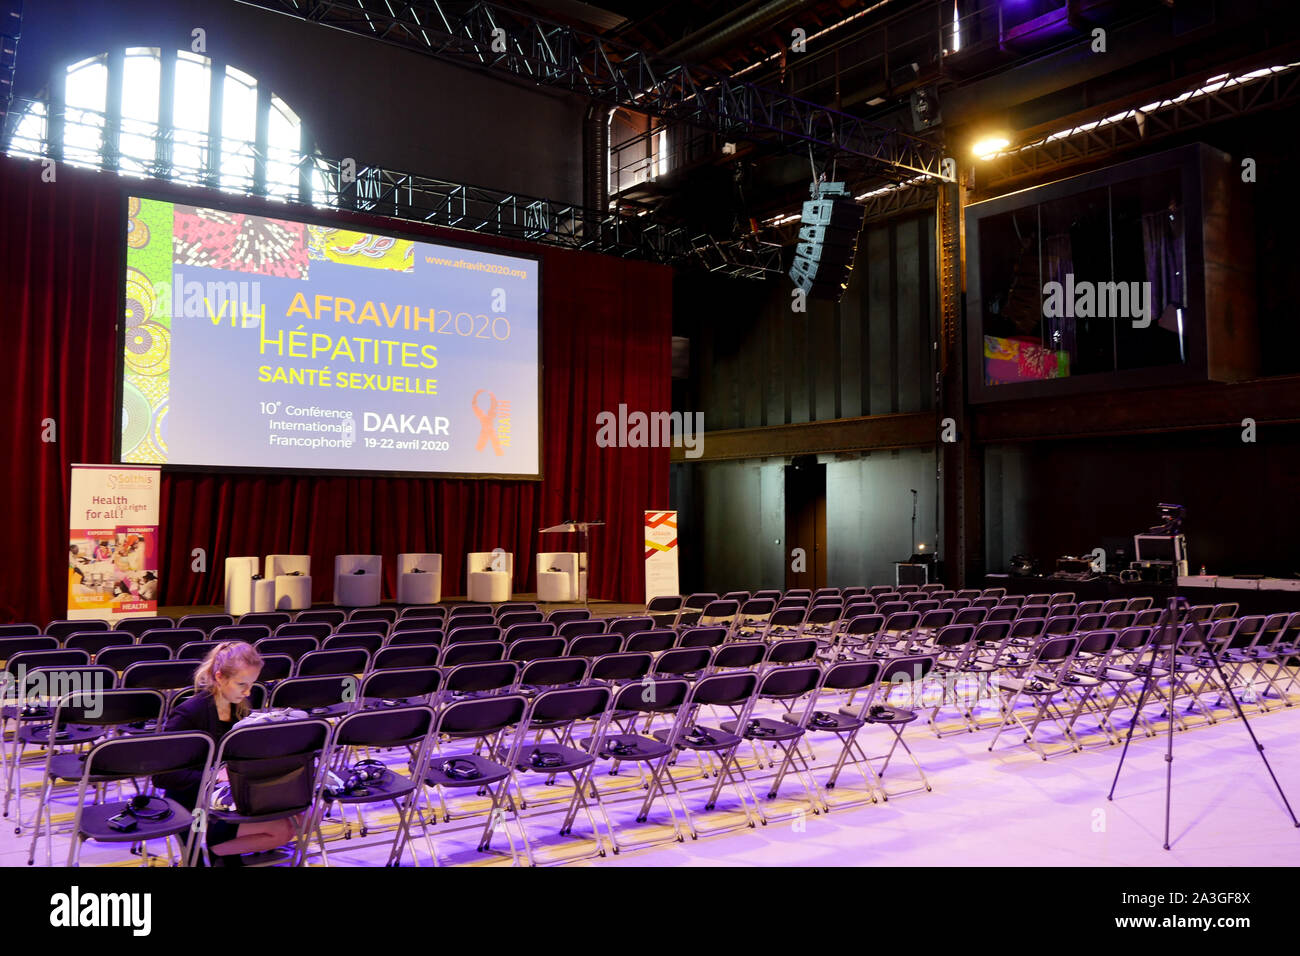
(494, 38)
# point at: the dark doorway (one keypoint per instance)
(805, 522)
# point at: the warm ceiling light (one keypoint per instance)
(990, 146)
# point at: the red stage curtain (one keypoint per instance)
(606, 335)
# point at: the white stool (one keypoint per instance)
(264, 595)
(239, 585)
(556, 572)
(292, 576)
(358, 590)
(486, 585)
(291, 592)
(422, 586)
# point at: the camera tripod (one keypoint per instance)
(1169, 620)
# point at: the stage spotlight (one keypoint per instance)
(990, 146)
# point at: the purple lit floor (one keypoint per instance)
(1002, 808)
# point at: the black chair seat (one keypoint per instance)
(764, 728)
(392, 787)
(571, 757)
(72, 766)
(720, 740)
(94, 822)
(638, 748)
(489, 771)
(831, 723)
(1034, 686)
(73, 734)
(1074, 679)
(886, 715)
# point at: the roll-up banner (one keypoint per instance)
(113, 542)
(660, 554)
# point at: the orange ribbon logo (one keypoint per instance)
(487, 432)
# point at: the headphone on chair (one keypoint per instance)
(756, 729)
(543, 759)
(822, 719)
(698, 735)
(619, 748)
(458, 768)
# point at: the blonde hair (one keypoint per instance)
(226, 658)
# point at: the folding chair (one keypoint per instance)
(194, 650)
(571, 629)
(473, 652)
(138, 820)
(534, 648)
(484, 722)
(349, 660)
(167, 677)
(751, 619)
(1138, 604)
(911, 672)
(734, 691)
(709, 637)
(565, 615)
(375, 628)
(294, 647)
(32, 704)
(387, 614)
(424, 636)
(79, 719)
(206, 623)
(462, 610)
(663, 610)
(331, 616)
(1262, 651)
(849, 677)
(631, 701)
(517, 632)
(693, 607)
(399, 686)
(1040, 682)
(326, 696)
(795, 650)
(559, 709)
(59, 630)
(506, 621)
(466, 622)
(268, 619)
(421, 612)
(965, 654)
(406, 729)
(592, 646)
(248, 633)
(317, 631)
(784, 685)
(370, 643)
(784, 622)
(21, 630)
(396, 657)
(92, 642)
(821, 622)
(138, 625)
(652, 642)
(270, 751)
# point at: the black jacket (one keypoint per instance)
(197, 713)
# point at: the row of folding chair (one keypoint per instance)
(503, 732)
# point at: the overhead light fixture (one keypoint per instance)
(990, 146)
(875, 101)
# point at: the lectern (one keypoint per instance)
(582, 528)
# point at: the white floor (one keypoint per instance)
(986, 809)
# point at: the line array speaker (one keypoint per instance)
(828, 242)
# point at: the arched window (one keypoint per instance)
(179, 116)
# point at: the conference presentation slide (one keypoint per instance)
(268, 343)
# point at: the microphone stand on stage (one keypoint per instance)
(1169, 619)
(912, 546)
